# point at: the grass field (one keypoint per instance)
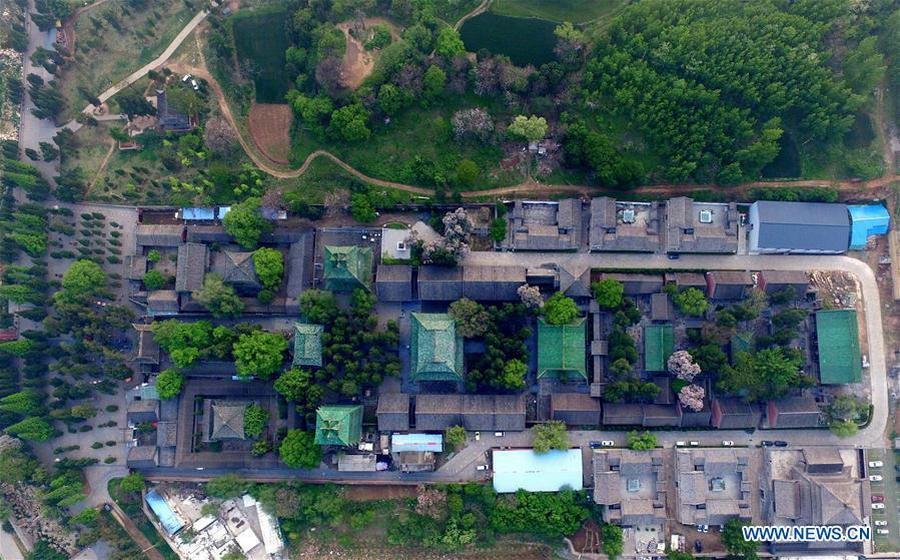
(576, 11)
(524, 40)
(264, 49)
(417, 133)
(114, 40)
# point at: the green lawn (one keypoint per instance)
(524, 40)
(576, 11)
(261, 38)
(114, 40)
(391, 152)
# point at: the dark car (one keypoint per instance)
(897, 468)
(767, 443)
(781, 444)
(595, 444)
(674, 256)
(698, 546)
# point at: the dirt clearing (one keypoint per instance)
(270, 128)
(358, 62)
(364, 493)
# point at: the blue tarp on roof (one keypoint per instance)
(198, 214)
(417, 442)
(867, 220)
(547, 472)
(167, 518)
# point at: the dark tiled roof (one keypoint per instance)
(193, 260)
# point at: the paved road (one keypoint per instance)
(8, 548)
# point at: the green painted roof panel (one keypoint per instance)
(436, 351)
(308, 344)
(659, 343)
(839, 355)
(561, 348)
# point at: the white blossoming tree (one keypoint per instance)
(681, 365)
(691, 396)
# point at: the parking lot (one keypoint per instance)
(890, 489)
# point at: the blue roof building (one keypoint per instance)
(417, 442)
(198, 214)
(524, 469)
(872, 219)
(167, 518)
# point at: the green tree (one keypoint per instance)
(641, 441)
(733, 540)
(361, 208)
(531, 128)
(299, 385)
(350, 123)
(153, 256)
(542, 513)
(259, 353)
(391, 99)
(844, 428)
(765, 375)
(245, 222)
(31, 429)
(560, 310)
(227, 486)
(466, 172)
(449, 43)
(218, 297)
(269, 266)
(549, 435)
(255, 420)
(25, 403)
(433, 82)
(43, 551)
(154, 280)
(513, 375)
(184, 100)
(169, 384)
(498, 230)
(471, 318)
(691, 302)
(454, 436)
(132, 484)
(612, 541)
(299, 450)
(318, 306)
(864, 65)
(83, 280)
(608, 293)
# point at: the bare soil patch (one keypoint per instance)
(270, 127)
(358, 63)
(363, 493)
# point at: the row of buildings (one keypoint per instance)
(683, 225)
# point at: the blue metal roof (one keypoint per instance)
(198, 214)
(417, 442)
(872, 219)
(224, 210)
(167, 518)
(546, 472)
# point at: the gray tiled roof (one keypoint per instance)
(393, 282)
(803, 225)
(193, 260)
(158, 235)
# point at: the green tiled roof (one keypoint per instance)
(348, 268)
(839, 357)
(436, 351)
(659, 343)
(741, 342)
(308, 344)
(339, 425)
(561, 348)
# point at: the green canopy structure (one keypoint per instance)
(348, 268)
(659, 343)
(436, 351)
(339, 425)
(561, 348)
(307, 344)
(839, 356)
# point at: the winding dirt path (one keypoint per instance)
(480, 9)
(529, 186)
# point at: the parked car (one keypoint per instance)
(674, 256)
(876, 464)
(875, 478)
(595, 444)
(780, 443)
(728, 443)
(880, 523)
(897, 478)
(607, 443)
(877, 506)
(698, 546)
(680, 443)
(498, 434)
(767, 443)
(882, 531)
(477, 436)
(481, 468)
(877, 499)
(695, 443)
